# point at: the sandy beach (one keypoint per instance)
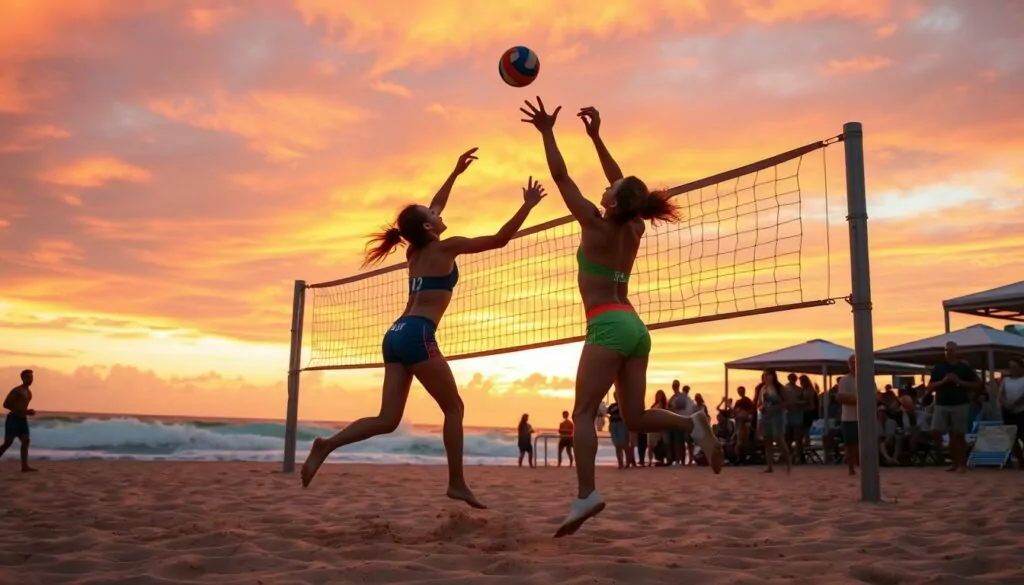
(168, 522)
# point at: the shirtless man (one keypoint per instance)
(16, 425)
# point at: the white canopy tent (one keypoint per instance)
(816, 356)
(984, 347)
(1004, 302)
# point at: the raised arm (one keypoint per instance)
(579, 206)
(532, 194)
(441, 197)
(592, 121)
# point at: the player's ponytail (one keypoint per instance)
(658, 206)
(408, 229)
(381, 245)
(633, 199)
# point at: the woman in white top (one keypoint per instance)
(1011, 400)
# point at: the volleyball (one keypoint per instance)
(519, 66)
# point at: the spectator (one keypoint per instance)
(952, 381)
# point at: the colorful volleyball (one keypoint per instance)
(519, 66)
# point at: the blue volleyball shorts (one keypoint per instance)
(410, 340)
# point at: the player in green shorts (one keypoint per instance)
(618, 344)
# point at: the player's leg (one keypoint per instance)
(594, 377)
(436, 376)
(397, 380)
(632, 382)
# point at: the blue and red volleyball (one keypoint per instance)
(519, 66)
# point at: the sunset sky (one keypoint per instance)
(169, 168)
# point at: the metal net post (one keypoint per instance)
(864, 346)
(291, 425)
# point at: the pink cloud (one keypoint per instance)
(34, 137)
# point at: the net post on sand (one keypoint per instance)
(737, 252)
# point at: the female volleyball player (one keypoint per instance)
(617, 344)
(409, 346)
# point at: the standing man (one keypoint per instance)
(565, 433)
(952, 381)
(16, 425)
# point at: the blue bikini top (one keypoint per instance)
(446, 282)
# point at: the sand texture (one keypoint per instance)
(98, 522)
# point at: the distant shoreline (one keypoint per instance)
(183, 418)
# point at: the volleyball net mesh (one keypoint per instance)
(737, 252)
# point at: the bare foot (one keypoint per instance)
(464, 494)
(28, 469)
(317, 454)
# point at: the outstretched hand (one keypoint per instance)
(539, 117)
(465, 159)
(591, 120)
(533, 192)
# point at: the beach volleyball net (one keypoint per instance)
(737, 252)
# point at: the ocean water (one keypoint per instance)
(84, 436)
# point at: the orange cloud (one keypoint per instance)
(886, 31)
(862, 64)
(56, 252)
(420, 35)
(70, 199)
(96, 172)
(31, 27)
(281, 126)
(392, 88)
(206, 20)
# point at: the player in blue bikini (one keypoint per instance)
(617, 345)
(409, 346)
